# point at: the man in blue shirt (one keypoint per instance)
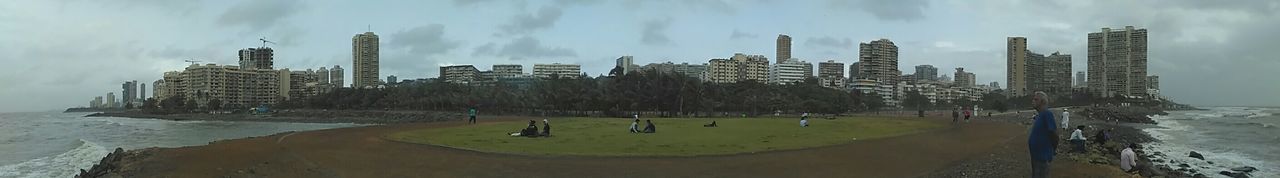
(1043, 138)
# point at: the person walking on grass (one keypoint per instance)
(1066, 119)
(472, 113)
(967, 113)
(1043, 138)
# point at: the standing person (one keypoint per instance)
(1077, 139)
(1043, 138)
(472, 113)
(1128, 160)
(1066, 119)
(967, 113)
(955, 115)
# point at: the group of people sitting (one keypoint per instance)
(647, 128)
(532, 130)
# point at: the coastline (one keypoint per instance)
(301, 116)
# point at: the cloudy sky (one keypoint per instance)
(62, 53)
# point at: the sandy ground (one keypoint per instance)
(362, 152)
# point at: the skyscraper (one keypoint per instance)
(336, 77)
(1080, 79)
(1118, 62)
(926, 73)
(854, 70)
(129, 93)
(879, 60)
(1016, 66)
(784, 48)
(142, 90)
(111, 100)
(257, 58)
(1056, 77)
(364, 60)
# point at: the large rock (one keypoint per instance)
(1244, 169)
(1234, 174)
(1196, 155)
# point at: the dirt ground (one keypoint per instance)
(362, 152)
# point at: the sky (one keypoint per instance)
(61, 53)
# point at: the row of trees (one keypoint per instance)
(667, 94)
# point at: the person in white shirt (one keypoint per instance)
(635, 126)
(1128, 161)
(1066, 119)
(804, 122)
(1077, 138)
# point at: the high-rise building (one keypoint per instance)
(830, 69)
(96, 102)
(995, 85)
(1118, 62)
(557, 69)
(364, 60)
(507, 70)
(232, 86)
(336, 76)
(964, 79)
(1153, 82)
(1016, 66)
(257, 58)
(879, 60)
(738, 68)
(1055, 74)
(784, 48)
(111, 100)
(1080, 80)
(460, 74)
(626, 63)
(322, 75)
(789, 71)
(926, 73)
(854, 70)
(157, 90)
(129, 93)
(170, 85)
(142, 90)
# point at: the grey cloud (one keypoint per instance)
(523, 48)
(893, 10)
(258, 15)
(830, 42)
(546, 17)
(423, 40)
(469, 2)
(654, 32)
(741, 35)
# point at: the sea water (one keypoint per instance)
(1228, 136)
(54, 144)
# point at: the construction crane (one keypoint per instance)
(264, 41)
(193, 61)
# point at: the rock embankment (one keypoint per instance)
(115, 164)
(1130, 114)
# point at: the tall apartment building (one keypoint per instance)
(557, 69)
(257, 58)
(129, 92)
(233, 86)
(111, 100)
(1016, 66)
(1055, 74)
(157, 90)
(1118, 62)
(965, 79)
(879, 60)
(626, 63)
(336, 76)
(926, 73)
(142, 92)
(830, 69)
(322, 75)
(460, 74)
(1153, 82)
(171, 84)
(738, 68)
(507, 70)
(299, 84)
(854, 70)
(1080, 80)
(783, 48)
(96, 102)
(364, 60)
(789, 71)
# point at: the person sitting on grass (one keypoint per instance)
(546, 128)
(650, 128)
(635, 126)
(530, 131)
(713, 124)
(804, 122)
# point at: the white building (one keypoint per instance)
(562, 70)
(789, 71)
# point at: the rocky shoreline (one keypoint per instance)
(1119, 121)
(302, 116)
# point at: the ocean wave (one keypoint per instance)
(66, 164)
(1176, 153)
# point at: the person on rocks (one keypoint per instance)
(1128, 160)
(1043, 138)
(1077, 139)
(650, 128)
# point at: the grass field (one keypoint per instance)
(675, 137)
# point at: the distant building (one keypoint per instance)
(995, 85)
(783, 48)
(111, 100)
(336, 76)
(257, 58)
(460, 74)
(322, 75)
(738, 68)
(1056, 77)
(686, 69)
(391, 79)
(830, 69)
(1080, 79)
(789, 71)
(879, 60)
(964, 79)
(626, 63)
(129, 93)
(142, 92)
(1016, 66)
(556, 69)
(233, 86)
(1117, 62)
(1153, 82)
(926, 73)
(364, 60)
(854, 70)
(507, 70)
(1029, 72)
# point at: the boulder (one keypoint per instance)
(1244, 169)
(1196, 155)
(1234, 174)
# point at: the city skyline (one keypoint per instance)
(68, 46)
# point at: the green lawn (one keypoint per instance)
(675, 137)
